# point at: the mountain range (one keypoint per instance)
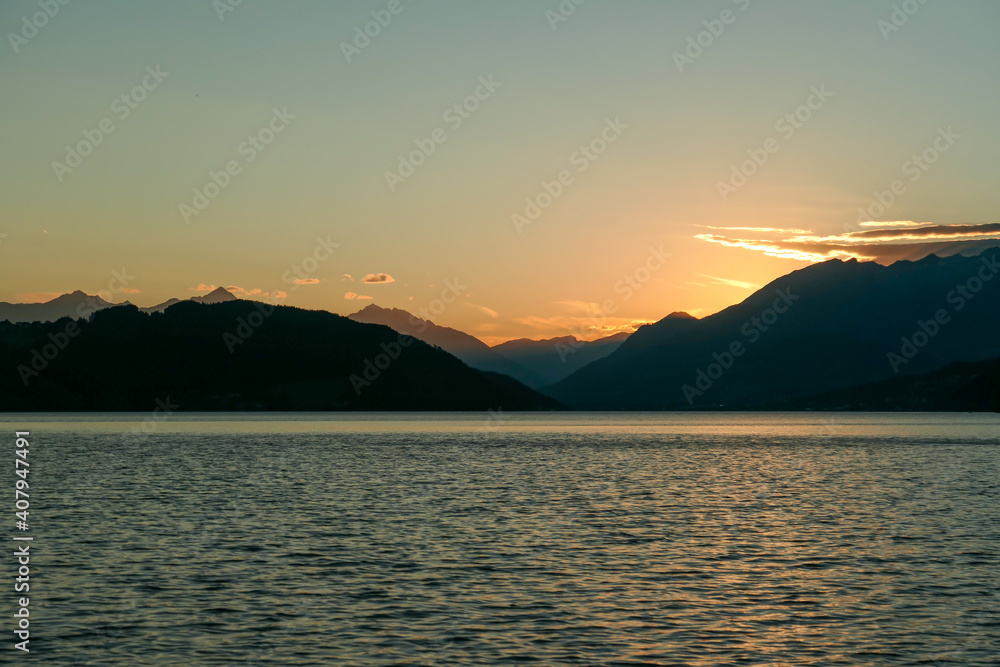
(914, 335)
(830, 326)
(238, 355)
(79, 304)
(536, 363)
(75, 304)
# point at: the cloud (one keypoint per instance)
(307, 281)
(347, 277)
(483, 309)
(587, 328)
(281, 295)
(582, 307)
(36, 297)
(728, 282)
(351, 296)
(240, 292)
(131, 290)
(378, 279)
(236, 290)
(890, 223)
(884, 243)
(759, 229)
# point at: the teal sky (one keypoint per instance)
(323, 176)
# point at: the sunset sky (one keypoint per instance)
(665, 132)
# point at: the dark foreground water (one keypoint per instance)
(707, 539)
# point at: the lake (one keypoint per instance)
(503, 539)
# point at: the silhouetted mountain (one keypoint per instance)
(218, 295)
(556, 358)
(825, 327)
(237, 355)
(468, 348)
(75, 305)
(962, 387)
(160, 307)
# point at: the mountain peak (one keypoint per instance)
(680, 315)
(218, 295)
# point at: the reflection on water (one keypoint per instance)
(557, 540)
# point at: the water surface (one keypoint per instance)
(497, 539)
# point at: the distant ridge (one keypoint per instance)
(218, 295)
(80, 305)
(468, 348)
(75, 304)
(557, 358)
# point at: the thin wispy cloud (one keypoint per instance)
(729, 282)
(759, 229)
(584, 307)
(351, 296)
(884, 242)
(893, 223)
(35, 297)
(483, 309)
(582, 327)
(307, 281)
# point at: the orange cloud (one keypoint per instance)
(307, 281)
(483, 309)
(236, 291)
(351, 296)
(885, 243)
(728, 282)
(585, 328)
(36, 297)
(378, 279)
